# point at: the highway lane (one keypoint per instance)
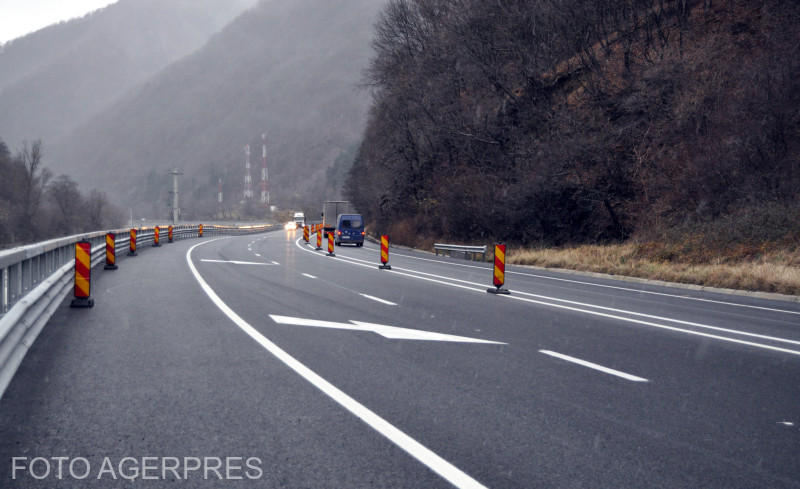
(716, 362)
(710, 414)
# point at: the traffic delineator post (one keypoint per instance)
(111, 252)
(319, 240)
(499, 277)
(132, 246)
(169, 234)
(156, 236)
(200, 231)
(83, 275)
(385, 253)
(330, 245)
(305, 234)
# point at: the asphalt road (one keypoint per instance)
(260, 348)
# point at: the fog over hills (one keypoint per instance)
(287, 68)
(55, 78)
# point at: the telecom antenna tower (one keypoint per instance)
(264, 172)
(248, 180)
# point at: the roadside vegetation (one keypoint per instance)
(666, 133)
(35, 206)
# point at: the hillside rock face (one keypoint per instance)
(286, 68)
(60, 76)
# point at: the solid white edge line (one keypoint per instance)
(427, 457)
(594, 366)
(604, 308)
(617, 287)
(378, 299)
(576, 309)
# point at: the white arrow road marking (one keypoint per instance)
(426, 456)
(595, 366)
(234, 262)
(391, 332)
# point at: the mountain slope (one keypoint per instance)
(287, 68)
(59, 76)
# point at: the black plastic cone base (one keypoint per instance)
(498, 290)
(385, 267)
(82, 302)
(110, 267)
(318, 248)
(132, 253)
(156, 245)
(330, 254)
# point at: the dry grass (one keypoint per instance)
(768, 270)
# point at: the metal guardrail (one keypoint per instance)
(35, 279)
(473, 250)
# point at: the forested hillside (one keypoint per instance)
(59, 76)
(287, 68)
(552, 121)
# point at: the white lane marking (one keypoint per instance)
(235, 262)
(595, 366)
(427, 457)
(308, 275)
(576, 309)
(258, 255)
(604, 308)
(275, 263)
(390, 332)
(378, 299)
(786, 423)
(616, 287)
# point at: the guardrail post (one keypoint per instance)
(132, 245)
(111, 252)
(83, 275)
(499, 270)
(385, 253)
(4, 291)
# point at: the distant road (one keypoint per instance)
(338, 375)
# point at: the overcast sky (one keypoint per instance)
(19, 17)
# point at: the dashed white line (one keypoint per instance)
(308, 275)
(236, 262)
(275, 263)
(258, 255)
(451, 283)
(424, 455)
(378, 299)
(594, 366)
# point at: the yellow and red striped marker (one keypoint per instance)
(499, 270)
(385, 253)
(83, 275)
(200, 231)
(132, 248)
(319, 240)
(305, 234)
(111, 252)
(169, 233)
(330, 245)
(157, 236)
